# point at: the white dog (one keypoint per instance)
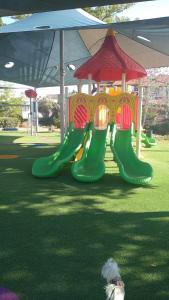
(115, 286)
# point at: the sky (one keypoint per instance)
(148, 10)
(141, 10)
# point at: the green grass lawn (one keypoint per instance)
(55, 233)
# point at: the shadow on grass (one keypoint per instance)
(8, 139)
(47, 255)
(54, 239)
(56, 233)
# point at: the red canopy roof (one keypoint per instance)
(110, 62)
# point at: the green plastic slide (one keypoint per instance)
(131, 168)
(50, 166)
(148, 141)
(91, 167)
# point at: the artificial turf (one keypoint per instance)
(56, 233)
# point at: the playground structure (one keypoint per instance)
(104, 108)
(92, 117)
(123, 115)
(85, 141)
(148, 141)
(94, 107)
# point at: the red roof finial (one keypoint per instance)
(110, 32)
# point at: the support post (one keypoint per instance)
(31, 116)
(79, 86)
(98, 87)
(62, 75)
(37, 116)
(123, 89)
(66, 107)
(123, 82)
(146, 104)
(138, 140)
(90, 84)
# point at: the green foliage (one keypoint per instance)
(161, 129)
(50, 112)
(7, 122)
(20, 17)
(15, 18)
(108, 13)
(157, 118)
(150, 117)
(10, 106)
(56, 122)
(1, 22)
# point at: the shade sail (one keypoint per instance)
(34, 48)
(110, 62)
(17, 7)
(65, 19)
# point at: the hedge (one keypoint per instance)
(161, 128)
(8, 122)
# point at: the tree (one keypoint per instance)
(10, 106)
(50, 111)
(15, 18)
(10, 109)
(108, 13)
(1, 22)
(20, 17)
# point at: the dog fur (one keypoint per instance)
(115, 286)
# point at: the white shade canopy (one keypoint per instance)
(32, 45)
